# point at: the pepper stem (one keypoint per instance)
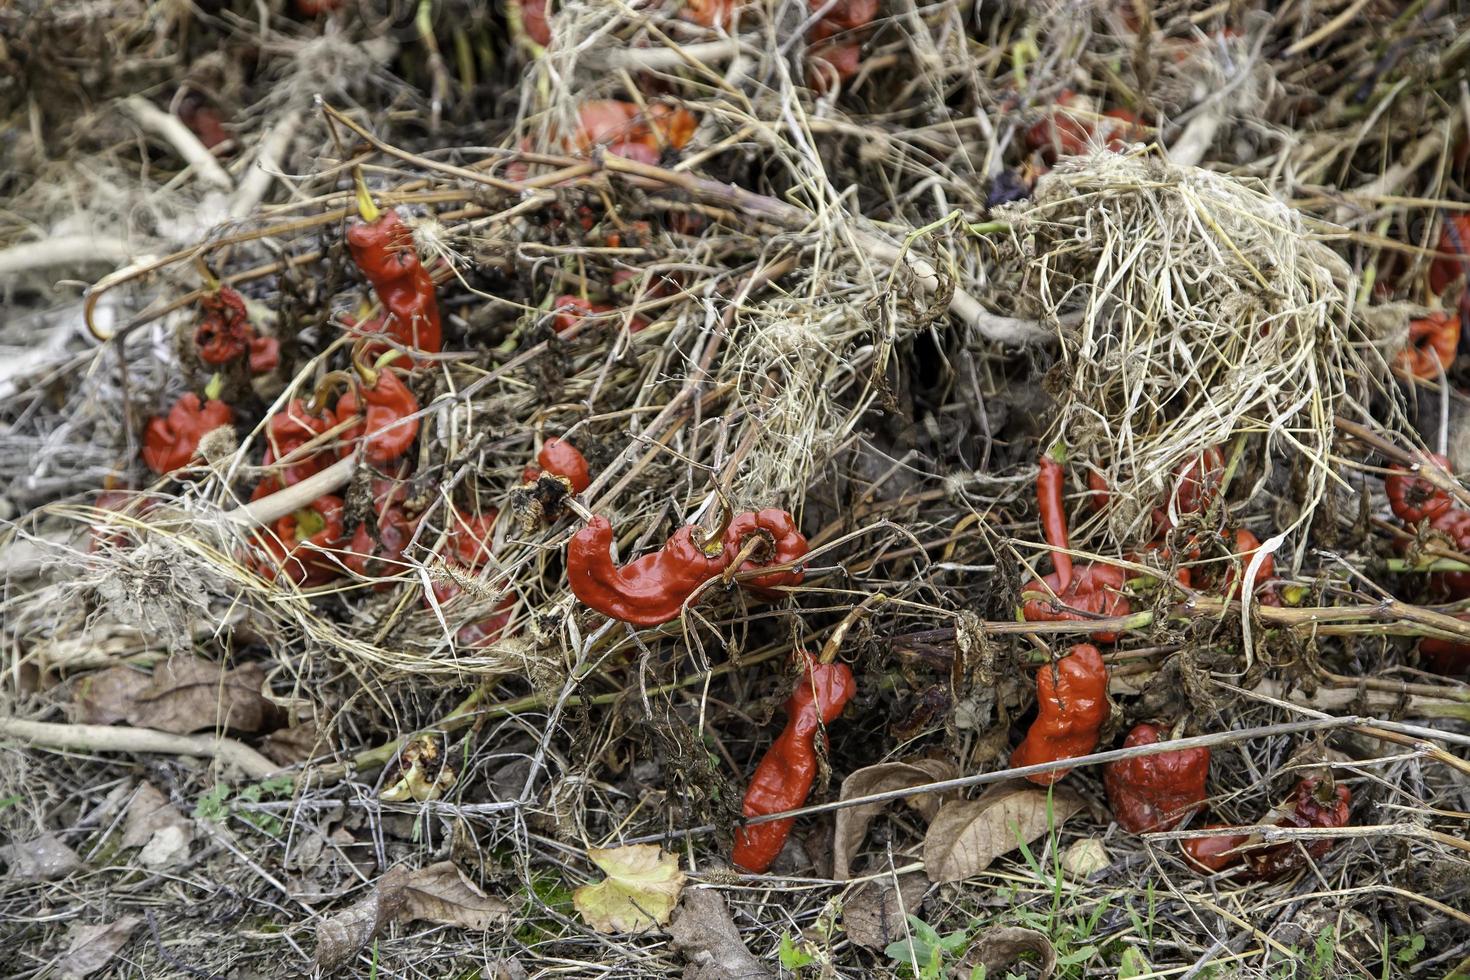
(214, 387)
(712, 542)
(324, 387)
(834, 642)
(211, 281)
(365, 205)
(367, 372)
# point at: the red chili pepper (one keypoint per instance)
(646, 591)
(483, 632)
(1156, 792)
(1454, 245)
(1413, 498)
(383, 249)
(1050, 483)
(377, 546)
(1444, 656)
(470, 537)
(470, 543)
(1453, 524)
(296, 551)
(170, 441)
(315, 8)
(709, 13)
(224, 333)
(1196, 485)
(1071, 708)
(1433, 343)
(265, 354)
(560, 458)
(784, 777)
(204, 121)
(533, 18)
(121, 502)
(572, 310)
(286, 433)
(785, 545)
(1313, 805)
(1096, 590)
(826, 59)
(1246, 545)
(1212, 854)
(614, 124)
(388, 423)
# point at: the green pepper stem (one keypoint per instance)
(365, 205)
(214, 387)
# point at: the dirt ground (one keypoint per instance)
(817, 489)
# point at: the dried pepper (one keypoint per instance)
(648, 590)
(1071, 708)
(1156, 792)
(302, 538)
(562, 459)
(171, 441)
(383, 250)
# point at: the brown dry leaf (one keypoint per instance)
(641, 888)
(996, 949)
(851, 825)
(340, 936)
(41, 859)
(967, 835)
(441, 893)
(288, 746)
(705, 934)
(873, 916)
(154, 824)
(105, 697)
(188, 694)
(93, 947)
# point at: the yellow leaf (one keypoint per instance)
(641, 889)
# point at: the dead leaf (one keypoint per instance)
(188, 694)
(104, 698)
(851, 825)
(154, 824)
(93, 947)
(996, 949)
(43, 858)
(441, 893)
(1085, 856)
(873, 916)
(967, 835)
(704, 933)
(438, 893)
(641, 888)
(288, 746)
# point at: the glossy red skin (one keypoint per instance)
(383, 251)
(1454, 524)
(170, 441)
(1306, 811)
(265, 354)
(287, 432)
(789, 546)
(1156, 792)
(1050, 484)
(1095, 590)
(1210, 854)
(1413, 498)
(383, 405)
(560, 458)
(1454, 243)
(1444, 656)
(783, 779)
(1433, 343)
(291, 558)
(1071, 708)
(224, 333)
(646, 591)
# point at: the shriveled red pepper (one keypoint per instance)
(382, 248)
(1454, 246)
(1051, 483)
(560, 458)
(1412, 498)
(619, 126)
(1196, 485)
(170, 441)
(470, 543)
(708, 13)
(1443, 656)
(1069, 129)
(1433, 343)
(315, 8)
(530, 18)
(1156, 792)
(125, 503)
(783, 544)
(224, 333)
(572, 310)
(204, 121)
(1314, 804)
(470, 536)
(1454, 525)
(648, 590)
(1246, 545)
(286, 433)
(377, 545)
(783, 780)
(388, 410)
(296, 550)
(1071, 708)
(1216, 853)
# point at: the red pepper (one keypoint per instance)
(286, 433)
(389, 425)
(377, 550)
(1313, 805)
(204, 121)
(572, 310)
(1156, 792)
(1433, 343)
(708, 13)
(1246, 545)
(1212, 854)
(1453, 524)
(1071, 133)
(784, 778)
(265, 354)
(1413, 498)
(469, 537)
(646, 591)
(619, 126)
(123, 502)
(315, 8)
(560, 458)
(1086, 592)
(170, 442)
(1454, 245)
(1071, 708)
(531, 17)
(1050, 483)
(296, 550)
(383, 249)
(470, 543)
(785, 545)
(828, 59)
(1442, 656)
(224, 333)
(1196, 485)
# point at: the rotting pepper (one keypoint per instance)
(1156, 792)
(1411, 497)
(1314, 803)
(629, 130)
(1433, 342)
(562, 459)
(1071, 708)
(389, 411)
(784, 778)
(649, 590)
(773, 533)
(1214, 853)
(469, 541)
(1454, 525)
(225, 334)
(1070, 128)
(376, 550)
(1246, 546)
(297, 550)
(170, 441)
(383, 250)
(1446, 656)
(287, 434)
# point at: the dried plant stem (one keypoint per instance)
(172, 129)
(110, 738)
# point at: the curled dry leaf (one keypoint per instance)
(185, 694)
(851, 825)
(996, 949)
(93, 947)
(642, 886)
(44, 858)
(873, 916)
(967, 835)
(704, 933)
(154, 824)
